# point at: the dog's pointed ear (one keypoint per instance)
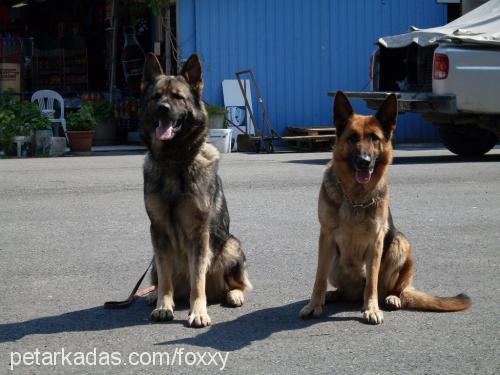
(342, 112)
(152, 69)
(193, 74)
(387, 114)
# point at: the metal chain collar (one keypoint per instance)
(356, 207)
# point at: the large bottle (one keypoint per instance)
(132, 59)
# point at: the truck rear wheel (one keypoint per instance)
(467, 140)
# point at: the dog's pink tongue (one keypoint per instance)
(363, 177)
(164, 131)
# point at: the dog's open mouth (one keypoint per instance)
(166, 130)
(363, 176)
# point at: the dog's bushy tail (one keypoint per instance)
(234, 263)
(414, 300)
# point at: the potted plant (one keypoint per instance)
(81, 127)
(19, 120)
(105, 133)
(216, 116)
(7, 123)
(31, 122)
(7, 131)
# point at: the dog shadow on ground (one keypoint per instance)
(225, 336)
(260, 324)
(92, 319)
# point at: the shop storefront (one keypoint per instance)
(89, 50)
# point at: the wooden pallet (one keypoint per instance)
(317, 130)
(311, 138)
(314, 138)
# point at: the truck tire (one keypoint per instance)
(467, 140)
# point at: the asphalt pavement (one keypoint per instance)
(74, 233)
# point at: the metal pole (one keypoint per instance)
(168, 41)
(114, 25)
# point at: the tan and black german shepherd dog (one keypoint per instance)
(195, 256)
(361, 253)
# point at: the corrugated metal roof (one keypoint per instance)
(299, 50)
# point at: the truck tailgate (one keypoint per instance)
(407, 101)
(474, 78)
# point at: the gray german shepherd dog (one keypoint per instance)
(194, 253)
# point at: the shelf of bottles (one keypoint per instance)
(61, 69)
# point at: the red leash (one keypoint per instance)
(126, 303)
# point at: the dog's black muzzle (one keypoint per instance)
(163, 108)
(363, 162)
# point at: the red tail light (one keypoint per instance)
(441, 66)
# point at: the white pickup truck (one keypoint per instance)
(449, 74)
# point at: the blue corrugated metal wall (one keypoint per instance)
(299, 50)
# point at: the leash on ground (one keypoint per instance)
(144, 292)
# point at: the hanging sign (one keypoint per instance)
(10, 77)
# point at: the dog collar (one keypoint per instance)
(356, 207)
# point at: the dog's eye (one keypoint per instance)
(374, 138)
(353, 138)
(177, 96)
(158, 95)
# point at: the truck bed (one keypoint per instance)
(407, 101)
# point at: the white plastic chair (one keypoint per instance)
(45, 100)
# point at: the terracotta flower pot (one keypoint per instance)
(80, 141)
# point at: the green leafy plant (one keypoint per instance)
(7, 129)
(157, 5)
(7, 99)
(18, 118)
(103, 111)
(30, 119)
(133, 10)
(83, 119)
(27, 115)
(137, 7)
(215, 110)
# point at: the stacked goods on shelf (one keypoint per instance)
(61, 69)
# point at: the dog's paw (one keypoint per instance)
(198, 319)
(152, 297)
(393, 302)
(162, 315)
(373, 316)
(235, 298)
(311, 311)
